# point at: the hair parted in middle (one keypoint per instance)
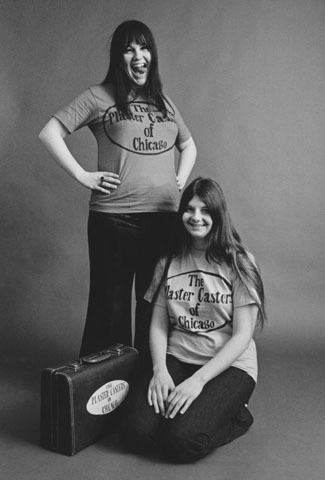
(126, 33)
(223, 236)
(223, 241)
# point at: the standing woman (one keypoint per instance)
(135, 190)
(208, 296)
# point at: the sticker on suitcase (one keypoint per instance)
(108, 397)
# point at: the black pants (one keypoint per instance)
(122, 246)
(216, 417)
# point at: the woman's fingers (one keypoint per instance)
(155, 401)
(175, 406)
(149, 395)
(188, 402)
(156, 398)
(106, 182)
(152, 397)
(179, 184)
(161, 403)
(165, 392)
(178, 402)
(109, 180)
(103, 182)
(158, 390)
(103, 190)
(110, 176)
(172, 400)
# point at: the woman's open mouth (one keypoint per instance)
(139, 70)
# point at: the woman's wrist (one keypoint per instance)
(201, 376)
(80, 174)
(159, 367)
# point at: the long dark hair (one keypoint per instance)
(224, 242)
(126, 33)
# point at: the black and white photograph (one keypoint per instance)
(162, 239)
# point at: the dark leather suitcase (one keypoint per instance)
(80, 400)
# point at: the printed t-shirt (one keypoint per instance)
(139, 147)
(200, 298)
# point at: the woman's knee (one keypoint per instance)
(137, 434)
(185, 447)
(136, 439)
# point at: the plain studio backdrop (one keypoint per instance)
(249, 79)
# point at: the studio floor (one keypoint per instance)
(286, 441)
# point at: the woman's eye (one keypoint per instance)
(205, 211)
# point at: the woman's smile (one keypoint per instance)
(197, 220)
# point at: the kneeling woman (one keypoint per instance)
(208, 297)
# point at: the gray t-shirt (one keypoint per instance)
(139, 147)
(200, 298)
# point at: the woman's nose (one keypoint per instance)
(137, 52)
(196, 216)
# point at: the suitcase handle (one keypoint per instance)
(113, 351)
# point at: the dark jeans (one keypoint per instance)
(216, 417)
(121, 247)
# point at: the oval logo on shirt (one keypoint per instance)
(144, 131)
(108, 397)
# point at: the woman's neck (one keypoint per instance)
(136, 92)
(199, 245)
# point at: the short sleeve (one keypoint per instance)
(241, 295)
(152, 294)
(183, 132)
(80, 112)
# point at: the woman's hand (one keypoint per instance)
(159, 387)
(180, 184)
(183, 396)
(186, 161)
(103, 182)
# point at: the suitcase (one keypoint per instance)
(80, 400)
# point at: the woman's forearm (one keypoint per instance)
(186, 162)
(52, 136)
(158, 337)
